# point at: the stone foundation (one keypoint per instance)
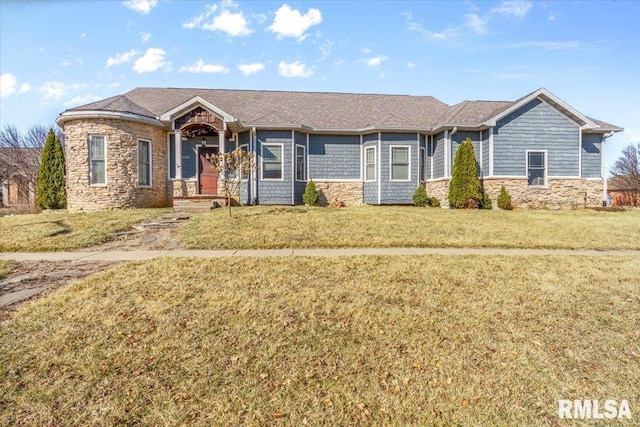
(121, 189)
(348, 192)
(560, 193)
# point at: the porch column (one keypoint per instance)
(178, 154)
(221, 140)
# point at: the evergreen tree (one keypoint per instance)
(464, 189)
(504, 199)
(51, 176)
(420, 197)
(311, 195)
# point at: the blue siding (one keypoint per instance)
(591, 155)
(300, 139)
(536, 126)
(438, 156)
(458, 138)
(398, 192)
(427, 159)
(172, 156)
(485, 151)
(245, 194)
(370, 191)
(189, 158)
(334, 156)
(275, 192)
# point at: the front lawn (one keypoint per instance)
(432, 340)
(64, 231)
(5, 268)
(264, 227)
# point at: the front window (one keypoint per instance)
(400, 163)
(97, 164)
(272, 161)
(144, 163)
(370, 164)
(300, 162)
(536, 168)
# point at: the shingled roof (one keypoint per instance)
(314, 110)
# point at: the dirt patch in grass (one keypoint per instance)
(63, 231)
(397, 226)
(433, 340)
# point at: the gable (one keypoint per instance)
(537, 113)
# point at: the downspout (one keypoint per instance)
(604, 176)
(254, 176)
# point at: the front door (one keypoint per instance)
(207, 174)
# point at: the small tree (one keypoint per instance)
(51, 176)
(464, 189)
(420, 197)
(626, 170)
(504, 199)
(232, 167)
(310, 195)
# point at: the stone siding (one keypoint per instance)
(560, 193)
(350, 193)
(121, 189)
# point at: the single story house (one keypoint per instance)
(149, 147)
(623, 191)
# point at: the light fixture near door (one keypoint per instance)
(203, 142)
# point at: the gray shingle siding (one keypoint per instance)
(485, 152)
(438, 155)
(370, 191)
(398, 192)
(458, 138)
(334, 156)
(275, 192)
(591, 155)
(535, 126)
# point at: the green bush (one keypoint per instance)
(504, 199)
(485, 202)
(464, 189)
(433, 202)
(51, 191)
(420, 197)
(311, 195)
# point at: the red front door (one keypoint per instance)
(207, 174)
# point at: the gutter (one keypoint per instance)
(604, 175)
(96, 114)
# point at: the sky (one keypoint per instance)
(56, 55)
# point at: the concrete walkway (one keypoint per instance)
(137, 255)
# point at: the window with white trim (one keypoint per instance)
(400, 163)
(300, 162)
(370, 164)
(536, 168)
(144, 163)
(97, 160)
(272, 161)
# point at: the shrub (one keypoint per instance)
(464, 189)
(504, 199)
(485, 202)
(420, 197)
(310, 196)
(51, 190)
(433, 202)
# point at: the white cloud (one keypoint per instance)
(145, 37)
(294, 69)
(234, 24)
(197, 20)
(552, 16)
(56, 90)
(249, 69)
(515, 8)
(375, 61)
(65, 63)
(81, 100)
(476, 23)
(200, 67)
(365, 50)
(411, 64)
(24, 88)
(432, 35)
(7, 84)
(141, 6)
(121, 58)
(291, 23)
(153, 59)
(326, 50)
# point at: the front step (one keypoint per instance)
(198, 204)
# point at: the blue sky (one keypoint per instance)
(57, 55)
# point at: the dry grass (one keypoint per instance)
(350, 341)
(63, 231)
(5, 268)
(376, 226)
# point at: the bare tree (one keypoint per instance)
(20, 153)
(626, 170)
(233, 166)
